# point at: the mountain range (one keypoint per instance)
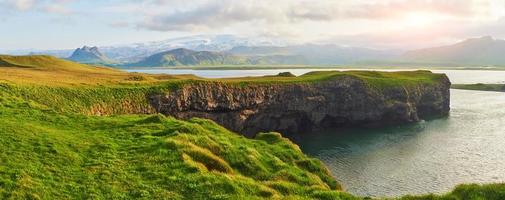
(230, 50)
(135, 52)
(311, 54)
(475, 51)
(184, 56)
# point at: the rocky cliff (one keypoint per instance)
(301, 107)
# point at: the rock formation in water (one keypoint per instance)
(304, 107)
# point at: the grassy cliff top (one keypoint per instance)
(51, 71)
(373, 78)
(71, 87)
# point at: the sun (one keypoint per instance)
(419, 19)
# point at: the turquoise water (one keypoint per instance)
(430, 156)
(427, 157)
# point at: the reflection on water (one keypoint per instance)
(431, 156)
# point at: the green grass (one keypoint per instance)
(467, 192)
(480, 86)
(49, 155)
(39, 62)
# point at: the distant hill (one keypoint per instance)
(261, 55)
(49, 70)
(41, 62)
(480, 51)
(63, 53)
(183, 56)
(89, 55)
(311, 54)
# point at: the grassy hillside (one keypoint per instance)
(51, 148)
(51, 71)
(41, 63)
(181, 56)
(48, 155)
(466, 192)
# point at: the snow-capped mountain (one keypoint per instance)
(210, 42)
(137, 51)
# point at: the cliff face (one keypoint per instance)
(304, 107)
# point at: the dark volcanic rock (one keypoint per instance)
(304, 107)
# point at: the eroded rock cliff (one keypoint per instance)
(304, 107)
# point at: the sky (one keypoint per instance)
(383, 24)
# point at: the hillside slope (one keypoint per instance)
(41, 62)
(311, 54)
(50, 155)
(481, 51)
(48, 70)
(188, 57)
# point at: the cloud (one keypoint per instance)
(378, 23)
(120, 24)
(224, 13)
(48, 6)
(359, 22)
(57, 9)
(214, 14)
(388, 9)
(21, 4)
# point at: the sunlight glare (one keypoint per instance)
(419, 19)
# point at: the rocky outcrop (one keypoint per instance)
(304, 107)
(89, 55)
